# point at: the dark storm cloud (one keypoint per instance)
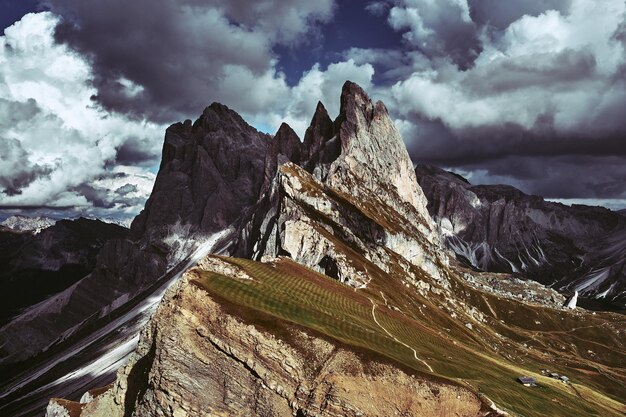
(99, 197)
(105, 198)
(550, 70)
(127, 189)
(431, 141)
(137, 151)
(438, 29)
(562, 177)
(168, 59)
(16, 170)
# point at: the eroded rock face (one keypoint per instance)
(33, 225)
(374, 159)
(357, 164)
(210, 171)
(499, 228)
(198, 359)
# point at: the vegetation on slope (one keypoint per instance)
(389, 319)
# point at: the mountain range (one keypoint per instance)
(269, 275)
(499, 228)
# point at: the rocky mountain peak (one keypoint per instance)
(373, 156)
(356, 104)
(285, 146)
(358, 176)
(209, 172)
(286, 142)
(218, 114)
(319, 148)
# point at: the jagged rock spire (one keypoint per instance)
(284, 147)
(319, 147)
(373, 156)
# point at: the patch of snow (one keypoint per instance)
(571, 303)
(592, 280)
(475, 201)
(513, 267)
(446, 227)
(608, 291)
(476, 253)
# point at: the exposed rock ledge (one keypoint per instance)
(198, 358)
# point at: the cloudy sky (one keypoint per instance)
(530, 93)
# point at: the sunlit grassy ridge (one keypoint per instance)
(422, 337)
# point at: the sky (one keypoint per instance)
(528, 93)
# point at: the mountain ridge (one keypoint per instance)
(501, 229)
(340, 255)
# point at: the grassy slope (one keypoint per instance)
(478, 358)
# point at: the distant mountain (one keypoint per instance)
(36, 265)
(499, 228)
(21, 223)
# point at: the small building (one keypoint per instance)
(527, 381)
(564, 378)
(554, 375)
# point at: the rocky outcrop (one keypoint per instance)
(373, 157)
(211, 170)
(284, 147)
(499, 228)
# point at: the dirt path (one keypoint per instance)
(396, 339)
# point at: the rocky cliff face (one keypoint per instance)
(499, 228)
(351, 175)
(211, 170)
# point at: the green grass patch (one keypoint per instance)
(296, 294)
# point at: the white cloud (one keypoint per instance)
(47, 116)
(439, 29)
(64, 150)
(549, 64)
(297, 105)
